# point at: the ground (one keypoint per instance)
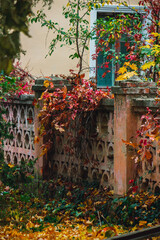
(63, 210)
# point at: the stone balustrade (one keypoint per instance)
(20, 113)
(97, 155)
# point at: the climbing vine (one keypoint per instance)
(62, 106)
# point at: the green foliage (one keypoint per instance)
(19, 175)
(115, 37)
(133, 209)
(7, 86)
(13, 21)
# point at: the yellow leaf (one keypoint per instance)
(133, 67)
(126, 76)
(122, 70)
(155, 34)
(68, 4)
(126, 63)
(148, 65)
(149, 40)
(142, 223)
(46, 83)
(10, 165)
(146, 46)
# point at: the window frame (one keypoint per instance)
(93, 18)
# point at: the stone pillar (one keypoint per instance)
(125, 126)
(38, 88)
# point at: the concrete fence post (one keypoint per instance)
(125, 126)
(39, 88)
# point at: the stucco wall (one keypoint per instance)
(36, 47)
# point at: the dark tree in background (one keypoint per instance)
(13, 21)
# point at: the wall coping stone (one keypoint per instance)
(58, 83)
(106, 103)
(140, 104)
(138, 87)
(22, 99)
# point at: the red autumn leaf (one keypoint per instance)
(109, 57)
(117, 45)
(131, 181)
(30, 120)
(106, 64)
(134, 189)
(104, 74)
(127, 44)
(34, 102)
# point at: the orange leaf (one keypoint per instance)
(155, 131)
(142, 223)
(82, 76)
(64, 89)
(36, 139)
(134, 145)
(148, 155)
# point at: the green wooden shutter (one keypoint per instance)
(108, 80)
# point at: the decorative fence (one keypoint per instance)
(100, 154)
(91, 158)
(20, 113)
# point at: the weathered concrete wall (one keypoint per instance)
(98, 154)
(88, 156)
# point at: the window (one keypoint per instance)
(95, 70)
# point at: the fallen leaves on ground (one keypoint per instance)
(64, 210)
